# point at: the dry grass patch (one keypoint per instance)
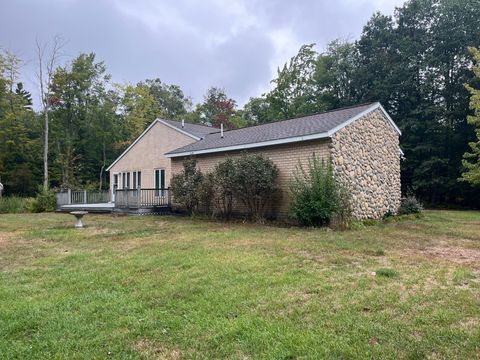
(5, 240)
(154, 350)
(457, 255)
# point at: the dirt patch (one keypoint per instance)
(455, 254)
(5, 240)
(154, 350)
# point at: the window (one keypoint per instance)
(128, 180)
(124, 183)
(159, 182)
(115, 182)
(134, 180)
(139, 179)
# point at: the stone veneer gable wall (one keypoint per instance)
(366, 156)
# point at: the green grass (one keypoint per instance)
(15, 204)
(177, 288)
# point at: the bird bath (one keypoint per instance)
(79, 215)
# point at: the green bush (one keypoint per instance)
(206, 193)
(45, 201)
(15, 204)
(224, 187)
(410, 205)
(185, 186)
(317, 198)
(343, 217)
(255, 183)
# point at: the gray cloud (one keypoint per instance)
(236, 44)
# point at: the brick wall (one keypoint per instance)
(286, 157)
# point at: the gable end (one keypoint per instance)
(154, 122)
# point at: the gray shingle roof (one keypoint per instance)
(194, 129)
(292, 128)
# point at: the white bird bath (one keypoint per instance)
(79, 215)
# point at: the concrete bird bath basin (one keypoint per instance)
(79, 215)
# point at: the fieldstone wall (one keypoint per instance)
(366, 157)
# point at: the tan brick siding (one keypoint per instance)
(286, 157)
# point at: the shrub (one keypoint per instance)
(410, 205)
(15, 204)
(370, 222)
(206, 193)
(224, 187)
(45, 201)
(316, 195)
(254, 183)
(343, 217)
(185, 186)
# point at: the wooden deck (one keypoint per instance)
(91, 208)
(128, 201)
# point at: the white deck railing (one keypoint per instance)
(73, 197)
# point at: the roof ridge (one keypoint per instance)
(190, 123)
(299, 117)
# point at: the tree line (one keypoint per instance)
(416, 63)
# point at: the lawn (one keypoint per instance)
(178, 288)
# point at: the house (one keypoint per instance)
(361, 141)
(144, 164)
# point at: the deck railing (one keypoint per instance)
(141, 198)
(74, 197)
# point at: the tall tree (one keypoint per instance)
(18, 147)
(295, 88)
(79, 104)
(471, 160)
(335, 75)
(415, 64)
(217, 108)
(170, 99)
(47, 57)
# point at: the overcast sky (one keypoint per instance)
(235, 44)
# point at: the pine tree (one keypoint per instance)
(471, 160)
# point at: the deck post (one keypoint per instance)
(84, 196)
(69, 192)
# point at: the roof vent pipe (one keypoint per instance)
(183, 123)
(221, 130)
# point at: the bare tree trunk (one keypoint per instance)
(103, 166)
(46, 68)
(45, 152)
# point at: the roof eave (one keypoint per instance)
(184, 132)
(322, 135)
